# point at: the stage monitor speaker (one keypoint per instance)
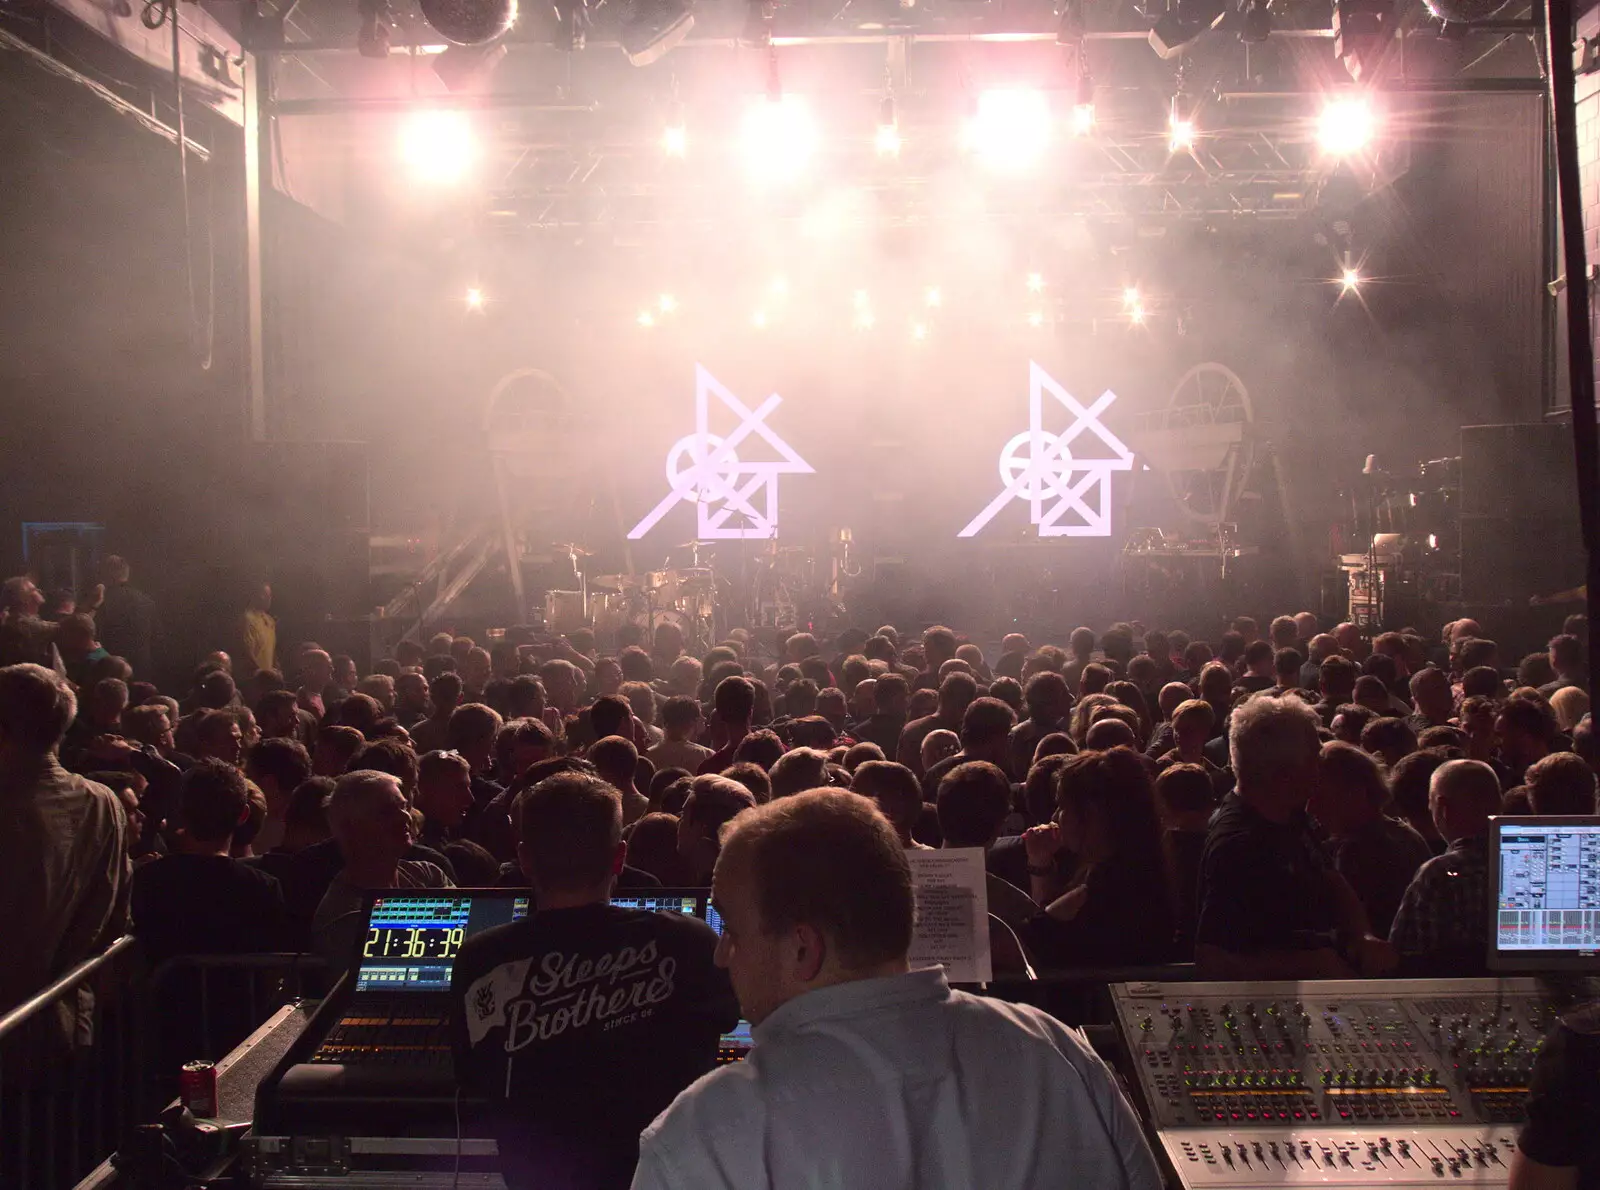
(1518, 472)
(1508, 559)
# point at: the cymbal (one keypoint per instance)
(613, 582)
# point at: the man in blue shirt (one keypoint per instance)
(864, 1072)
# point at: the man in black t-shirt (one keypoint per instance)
(199, 899)
(583, 1022)
(1559, 1146)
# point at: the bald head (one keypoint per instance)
(1462, 796)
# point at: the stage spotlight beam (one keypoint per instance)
(1010, 129)
(779, 139)
(437, 145)
(1346, 125)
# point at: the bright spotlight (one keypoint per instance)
(865, 319)
(1433, 541)
(1350, 281)
(1035, 282)
(1010, 129)
(667, 304)
(1136, 316)
(861, 299)
(1082, 119)
(759, 320)
(675, 140)
(888, 140)
(475, 298)
(1345, 126)
(437, 145)
(919, 331)
(933, 297)
(1130, 297)
(1035, 318)
(1180, 135)
(779, 138)
(646, 319)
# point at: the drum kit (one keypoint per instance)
(705, 588)
(685, 598)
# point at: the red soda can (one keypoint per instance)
(197, 1087)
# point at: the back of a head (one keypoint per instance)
(1114, 788)
(1409, 781)
(1561, 783)
(213, 799)
(216, 690)
(1272, 741)
(570, 826)
(859, 754)
(1389, 736)
(286, 761)
(986, 722)
(753, 777)
(1570, 704)
(36, 708)
(716, 800)
(1186, 789)
(1094, 678)
(653, 848)
(797, 771)
(1046, 695)
(471, 724)
(938, 645)
(892, 693)
(894, 787)
(615, 759)
(734, 700)
(610, 715)
(973, 800)
(759, 747)
(1286, 665)
(1109, 732)
(306, 816)
(1283, 632)
(1352, 771)
(1258, 653)
(956, 693)
(390, 756)
(680, 713)
(793, 851)
(1470, 787)
(800, 699)
(1081, 642)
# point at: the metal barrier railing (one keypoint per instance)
(67, 1073)
(99, 1050)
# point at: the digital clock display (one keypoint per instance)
(413, 942)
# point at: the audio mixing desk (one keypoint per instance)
(1360, 1082)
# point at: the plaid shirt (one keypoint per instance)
(1445, 910)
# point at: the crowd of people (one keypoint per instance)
(1293, 804)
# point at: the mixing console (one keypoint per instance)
(1358, 1081)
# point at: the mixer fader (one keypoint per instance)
(1333, 1082)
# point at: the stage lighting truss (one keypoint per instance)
(1250, 157)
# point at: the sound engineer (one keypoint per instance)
(1559, 1148)
(582, 1022)
(864, 1072)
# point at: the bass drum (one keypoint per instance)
(665, 615)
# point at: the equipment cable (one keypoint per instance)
(156, 14)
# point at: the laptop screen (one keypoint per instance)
(1545, 881)
(413, 938)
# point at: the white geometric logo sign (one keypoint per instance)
(1066, 496)
(705, 469)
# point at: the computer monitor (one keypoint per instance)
(691, 902)
(1544, 887)
(413, 936)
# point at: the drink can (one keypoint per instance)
(197, 1088)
